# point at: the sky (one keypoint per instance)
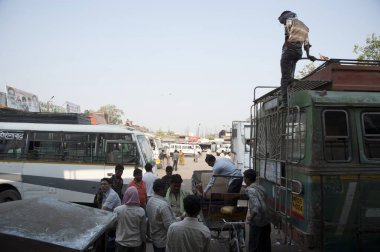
(168, 64)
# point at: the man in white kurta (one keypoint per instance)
(189, 235)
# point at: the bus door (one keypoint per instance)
(121, 152)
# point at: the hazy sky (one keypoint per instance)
(168, 64)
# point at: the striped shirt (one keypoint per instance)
(160, 217)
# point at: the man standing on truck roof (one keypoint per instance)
(296, 36)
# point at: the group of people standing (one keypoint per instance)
(152, 209)
(158, 210)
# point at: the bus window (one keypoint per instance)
(337, 143)
(11, 145)
(45, 146)
(371, 135)
(78, 147)
(295, 136)
(121, 152)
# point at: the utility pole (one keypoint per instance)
(49, 102)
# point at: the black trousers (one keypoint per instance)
(290, 55)
(234, 187)
(259, 238)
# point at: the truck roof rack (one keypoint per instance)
(336, 75)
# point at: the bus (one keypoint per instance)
(319, 158)
(66, 161)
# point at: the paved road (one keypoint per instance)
(186, 171)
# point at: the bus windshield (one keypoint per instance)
(146, 149)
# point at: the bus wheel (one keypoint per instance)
(9, 195)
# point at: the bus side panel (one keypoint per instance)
(369, 225)
(64, 181)
(351, 213)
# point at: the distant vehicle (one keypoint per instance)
(155, 143)
(66, 161)
(187, 149)
(241, 144)
(226, 148)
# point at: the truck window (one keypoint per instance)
(337, 142)
(371, 135)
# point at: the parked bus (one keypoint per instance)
(319, 159)
(65, 161)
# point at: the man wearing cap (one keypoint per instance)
(296, 36)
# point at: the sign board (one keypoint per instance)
(72, 108)
(21, 100)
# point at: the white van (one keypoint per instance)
(187, 149)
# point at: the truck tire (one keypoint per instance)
(9, 195)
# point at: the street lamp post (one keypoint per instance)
(49, 102)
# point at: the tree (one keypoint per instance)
(112, 113)
(305, 70)
(210, 136)
(159, 133)
(170, 133)
(371, 51)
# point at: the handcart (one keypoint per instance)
(223, 213)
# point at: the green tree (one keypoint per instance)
(371, 51)
(113, 113)
(305, 70)
(159, 133)
(210, 136)
(170, 133)
(88, 111)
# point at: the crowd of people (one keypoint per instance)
(157, 210)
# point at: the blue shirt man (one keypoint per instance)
(224, 166)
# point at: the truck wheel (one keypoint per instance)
(9, 195)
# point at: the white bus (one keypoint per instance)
(66, 161)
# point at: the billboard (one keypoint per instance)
(21, 100)
(72, 108)
(3, 99)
